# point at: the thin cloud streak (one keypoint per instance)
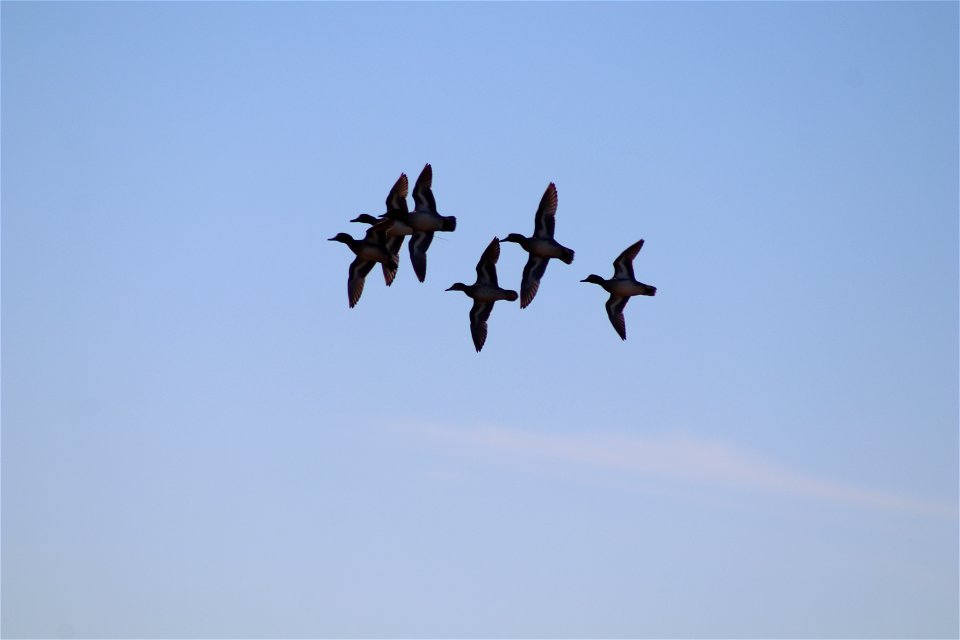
(682, 458)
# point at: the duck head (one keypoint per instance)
(595, 279)
(366, 218)
(514, 237)
(458, 286)
(345, 238)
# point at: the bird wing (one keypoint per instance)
(487, 266)
(615, 306)
(419, 243)
(393, 245)
(545, 219)
(479, 313)
(423, 192)
(359, 269)
(532, 272)
(389, 273)
(623, 265)
(397, 198)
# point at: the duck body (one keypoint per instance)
(376, 253)
(624, 287)
(541, 246)
(621, 287)
(429, 222)
(485, 292)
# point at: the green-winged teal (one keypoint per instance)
(541, 246)
(622, 286)
(369, 251)
(485, 292)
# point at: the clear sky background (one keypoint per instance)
(200, 439)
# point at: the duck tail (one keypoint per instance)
(512, 296)
(651, 291)
(449, 223)
(568, 256)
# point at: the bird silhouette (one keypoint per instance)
(485, 292)
(622, 286)
(541, 246)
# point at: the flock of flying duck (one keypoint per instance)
(384, 238)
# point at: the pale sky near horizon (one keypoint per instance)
(200, 438)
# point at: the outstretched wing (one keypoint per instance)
(479, 314)
(389, 273)
(615, 307)
(487, 266)
(419, 243)
(532, 273)
(623, 265)
(423, 190)
(397, 198)
(545, 219)
(359, 269)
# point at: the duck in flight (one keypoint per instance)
(423, 221)
(390, 232)
(369, 251)
(541, 246)
(622, 286)
(485, 292)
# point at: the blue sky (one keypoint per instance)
(200, 439)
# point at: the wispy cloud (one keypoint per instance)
(681, 458)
